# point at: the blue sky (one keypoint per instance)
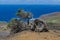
(30, 2)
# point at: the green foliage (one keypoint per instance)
(13, 19)
(23, 14)
(8, 24)
(55, 19)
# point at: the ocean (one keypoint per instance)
(9, 11)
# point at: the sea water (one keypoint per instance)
(9, 11)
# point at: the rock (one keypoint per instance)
(51, 17)
(52, 20)
(3, 29)
(4, 33)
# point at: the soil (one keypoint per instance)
(29, 35)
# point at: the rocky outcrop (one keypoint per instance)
(51, 17)
(3, 29)
(52, 20)
(2, 23)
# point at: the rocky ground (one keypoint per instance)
(29, 35)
